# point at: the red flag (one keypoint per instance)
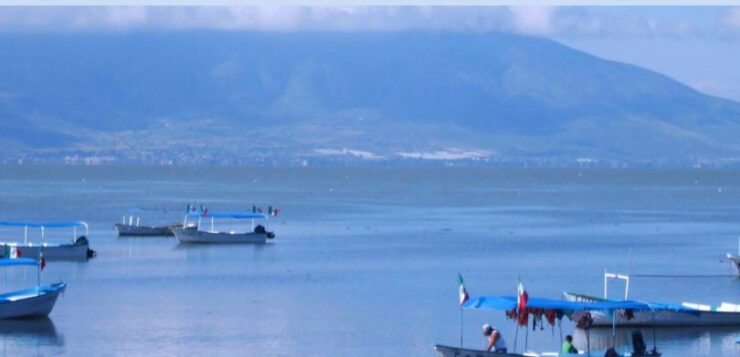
(18, 253)
(521, 305)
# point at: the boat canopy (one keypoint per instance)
(509, 303)
(137, 210)
(237, 215)
(66, 224)
(18, 261)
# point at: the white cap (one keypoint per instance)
(487, 329)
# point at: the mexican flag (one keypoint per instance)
(463, 293)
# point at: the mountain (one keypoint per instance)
(238, 97)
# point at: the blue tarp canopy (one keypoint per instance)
(508, 303)
(142, 210)
(237, 215)
(67, 224)
(18, 261)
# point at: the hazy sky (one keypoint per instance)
(699, 46)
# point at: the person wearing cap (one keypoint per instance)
(496, 341)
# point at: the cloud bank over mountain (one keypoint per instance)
(532, 20)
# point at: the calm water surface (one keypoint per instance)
(366, 259)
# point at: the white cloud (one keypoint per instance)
(533, 20)
(732, 18)
(260, 18)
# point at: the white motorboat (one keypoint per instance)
(77, 249)
(195, 233)
(131, 225)
(664, 314)
(29, 303)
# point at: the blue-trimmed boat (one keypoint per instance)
(538, 308)
(29, 303)
(197, 233)
(77, 249)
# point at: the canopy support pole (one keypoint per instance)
(526, 337)
(614, 328)
(516, 333)
(38, 271)
(461, 327)
(25, 235)
(655, 346)
(560, 327)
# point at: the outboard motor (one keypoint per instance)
(81, 240)
(260, 229)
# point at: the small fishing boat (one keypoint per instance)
(190, 233)
(523, 309)
(77, 249)
(684, 314)
(131, 226)
(29, 303)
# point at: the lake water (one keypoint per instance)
(365, 261)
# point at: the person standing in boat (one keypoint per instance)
(568, 347)
(496, 341)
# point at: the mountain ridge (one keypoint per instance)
(516, 97)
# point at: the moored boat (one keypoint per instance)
(77, 249)
(523, 309)
(131, 225)
(29, 303)
(684, 314)
(663, 314)
(196, 234)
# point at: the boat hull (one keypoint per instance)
(31, 303)
(76, 252)
(194, 236)
(659, 318)
(449, 351)
(125, 230)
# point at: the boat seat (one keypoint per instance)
(697, 306)
(728, 307)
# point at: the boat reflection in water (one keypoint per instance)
(20, 337)
(672, 341)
